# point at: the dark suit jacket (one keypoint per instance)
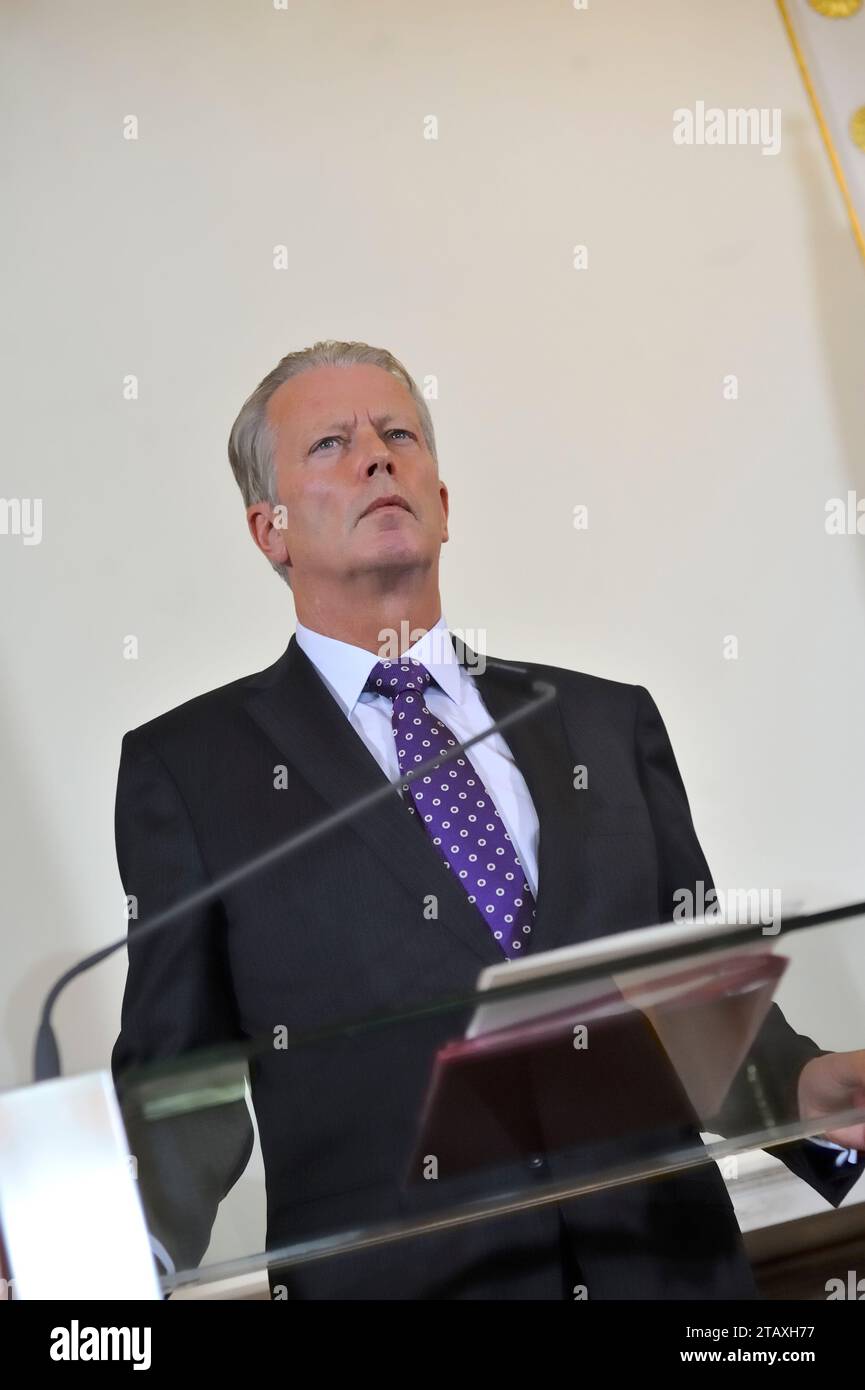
(339, 933)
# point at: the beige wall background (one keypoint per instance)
(305, 127)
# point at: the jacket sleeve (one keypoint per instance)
(764, 1090)
(178, 1000)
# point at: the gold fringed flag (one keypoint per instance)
(828, 39)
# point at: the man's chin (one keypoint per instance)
(391, 559)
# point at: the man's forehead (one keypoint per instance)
(324, 396)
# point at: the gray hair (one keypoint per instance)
(252, 442)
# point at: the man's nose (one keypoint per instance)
(374, 455)
(384, 464)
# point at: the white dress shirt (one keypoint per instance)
(453, 699)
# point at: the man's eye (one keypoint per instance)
(337, 438)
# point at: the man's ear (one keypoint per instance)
(267, 525)
(443, 495)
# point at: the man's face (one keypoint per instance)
(347, 437)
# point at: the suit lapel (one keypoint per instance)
(295, 709)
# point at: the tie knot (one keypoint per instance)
(391, 678)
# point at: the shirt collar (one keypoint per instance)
(344, 668)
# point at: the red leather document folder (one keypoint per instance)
(653, 1055)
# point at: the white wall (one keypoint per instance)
(556, 387)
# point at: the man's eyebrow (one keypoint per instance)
(343, 425)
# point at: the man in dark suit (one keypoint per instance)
(335, 456)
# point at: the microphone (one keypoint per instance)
(46, 1053)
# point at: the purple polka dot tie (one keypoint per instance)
(456, 809)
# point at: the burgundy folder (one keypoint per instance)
(660, 1054)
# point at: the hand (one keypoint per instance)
(832, 1083)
